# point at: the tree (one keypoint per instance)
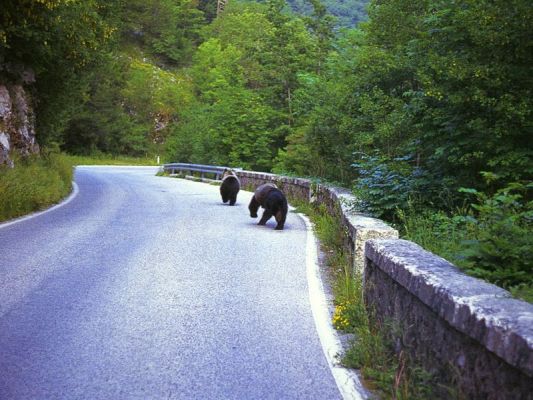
(476, 89)
(167, 29)
(60, 41)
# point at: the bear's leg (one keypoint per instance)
(253, 207)
(266, 216)
(280, 219)
(224, 199)
(232, 200)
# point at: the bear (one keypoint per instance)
(229, 187)
(273, 201)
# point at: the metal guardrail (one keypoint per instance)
(217, 171)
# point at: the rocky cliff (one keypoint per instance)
(17, 120)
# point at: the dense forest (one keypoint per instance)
(424, 108)
(348, 13)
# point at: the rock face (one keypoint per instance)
(17, 123)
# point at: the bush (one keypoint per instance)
(385, 185)
(501, 252)
(490, 239)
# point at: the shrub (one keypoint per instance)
(385, 185)
(490, 239)
(501, 252)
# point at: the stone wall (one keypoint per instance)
(462, 329)
(17, 120)
(294, 188)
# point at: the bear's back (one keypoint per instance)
(262, 192)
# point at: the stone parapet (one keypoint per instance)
(294, 188)
(360, 227)
(461, 328)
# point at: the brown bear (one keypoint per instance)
(230, 186)
(273, 201)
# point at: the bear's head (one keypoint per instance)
(228, 172)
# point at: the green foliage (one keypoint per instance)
(348, 13)
(166, 29)
(131, 109)
(155, 98)
(100, 123)
(35, 183)
(298, 156)
(109, 159)
(501, 251)
(523, 291)
(491, 239)
(239, 132)
(245, 74)
(438, 231)
(420, 79)
(59, 40)
(51, 33)
(480, 55)
(385, 185)
(232, 123)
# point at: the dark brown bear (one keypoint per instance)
(273, 201)
(230, 187)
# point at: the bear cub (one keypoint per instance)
(273, 201)
(230, 186)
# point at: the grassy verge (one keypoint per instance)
(38, 182)
(106, 159)
(391, 375)
(34, 184)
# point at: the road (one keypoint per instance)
(146, 287)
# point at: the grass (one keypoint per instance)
(391, 375)
(523, 291)
(436, 232)
(107, 159)
(41, 181)
(34, 184)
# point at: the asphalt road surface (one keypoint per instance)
(146, 287)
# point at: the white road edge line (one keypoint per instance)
(71, 197)
(347, 380)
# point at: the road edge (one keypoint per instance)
(72, 195)
(346, 379)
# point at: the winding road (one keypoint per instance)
(146, 287)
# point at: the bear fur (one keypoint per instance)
(273, 201)
(230, 187)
